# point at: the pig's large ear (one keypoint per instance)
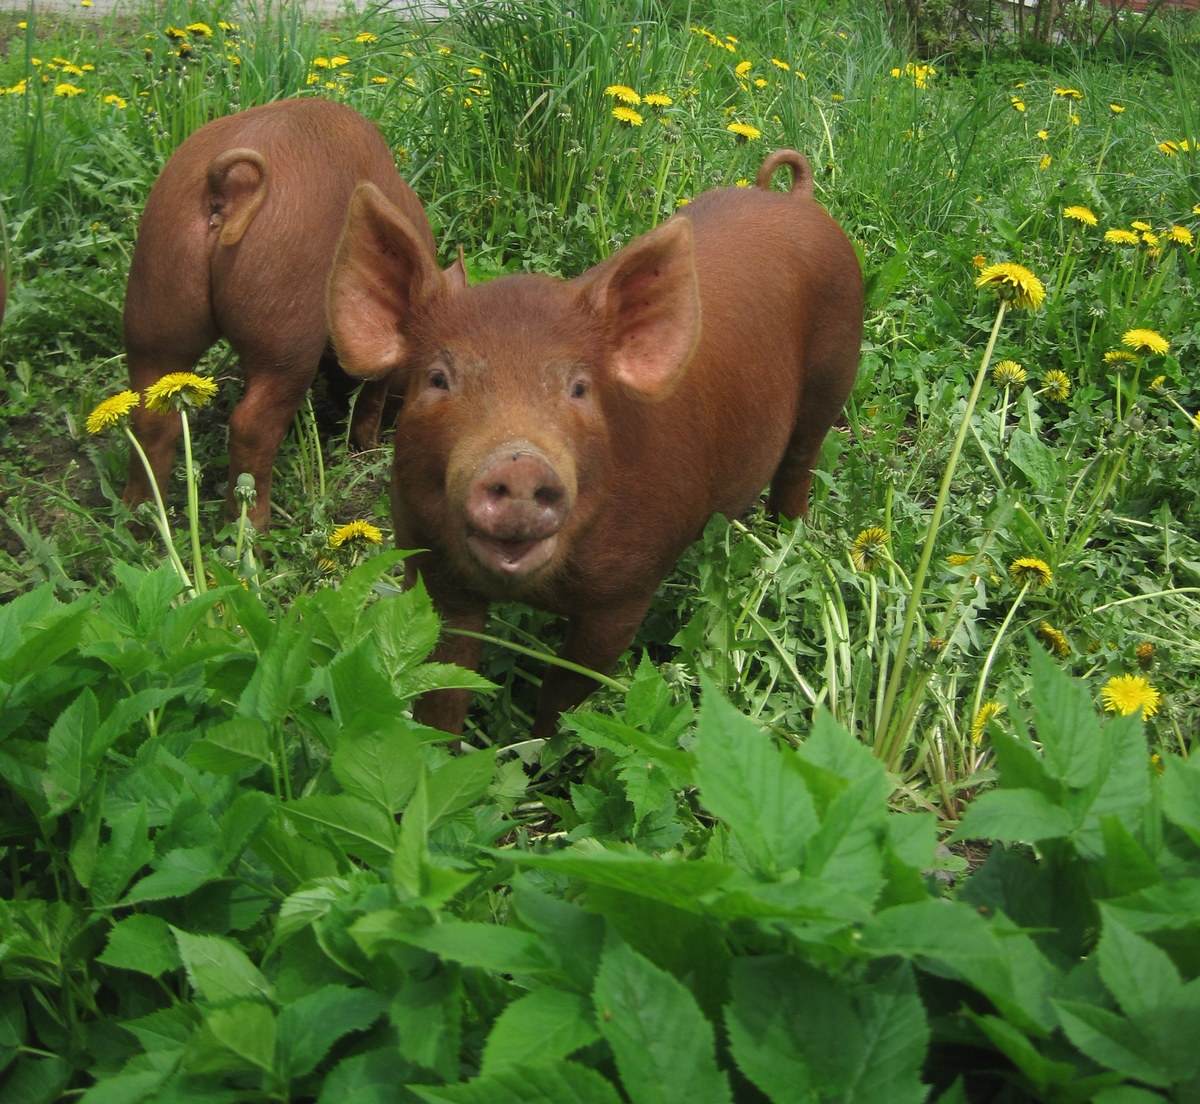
(648, 294)
(381, 270)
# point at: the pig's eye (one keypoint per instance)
(437, 378)
(579, 389)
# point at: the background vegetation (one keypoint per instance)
(234, 870)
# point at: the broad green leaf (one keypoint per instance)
(360, 827)
(896, 1037)
(245, 1028)
(1110, 1040)
(744, 782)
(240, 823)
(404, 628)
(1181, 793)
(144, 943)
(541, 1083)
(127, 851)
(1038, 462)
(178, 873)
(427, 1013)
(1066, 722)
(1045, 1073)
(281, 673)
(234, 746)
(664, 1047)
(1139, 975)
(294, 859)
(218, 968)
(1024, 816)
(1010, 971)
(681, 884)
(574, 935)
(503, 950)
(36, 632)
(542, 1026)
(360, 692)
(375, 1077)
(309, 1025)
(378, 767)
(70, 761)
(599, 730)
(458, 784)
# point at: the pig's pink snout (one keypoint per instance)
(516, 504)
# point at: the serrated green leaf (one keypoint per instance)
(458, 784)
(127, 851)
(1181, 793)
(1110, 1040)
(896, 1037)
(370, 1078)
(378, 767)
(542, 1026)
(178, 873)
(70, 761)
(543, 1083)
(280, 674)
(218, 968)
(503, 950)
(1044, 1073)
(144, 943)
(360, 827)
(234, 746)
(678, 884)
(664, 1047)
(238, 1035)
(744, 782)
(1139, 975)
(309, 1025)
(1024, 816)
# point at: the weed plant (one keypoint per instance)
(233, 869)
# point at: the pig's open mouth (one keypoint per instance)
(511, 558)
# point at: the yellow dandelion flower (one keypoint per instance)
(1008, 373)
(623, 93)
(1018, 104)
(867, 551)
(1116, 109)
(1145, 652)
(1054, 640)
(988, 711)
(1056, 385)
(1069, 93)
(1030, 570)
(1138, 224)
(627, 115)
(837, 97)
(1120, 237)
(742, 68)
(338, 60)
(1157, 383)
(1080, 214)
(355, 532)
(116, 101)
(979, 260)
(1120, 356)
(1145, 342)
(1043, 135)
(326, 566)
(658, 100)
(1013, 283)
(1045, 162)
(321, 62)
(744, 131)
(1126, 694)
(174, 32)
(781, 65)
(178, 389)
(1181, 235)
(957, 559)
(67, 90)
(200, 30)
(111, 411)
(1169, 148)
(366, 37)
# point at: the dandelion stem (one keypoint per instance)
(160, 517)
(884, 737)
(193, 500)
(991, 655)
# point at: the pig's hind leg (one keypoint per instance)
(276, 381)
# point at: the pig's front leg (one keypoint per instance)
(594, 640)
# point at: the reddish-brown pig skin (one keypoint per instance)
(561, 443)
(236, 241)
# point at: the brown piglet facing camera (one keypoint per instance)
(236, 241)
(562, 442)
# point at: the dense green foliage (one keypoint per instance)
(849, 823)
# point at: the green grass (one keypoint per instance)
(206, 788)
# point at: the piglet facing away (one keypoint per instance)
(562, 442)
(236, 241)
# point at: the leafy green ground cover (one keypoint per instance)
(234, 870)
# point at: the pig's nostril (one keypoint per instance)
(548, 496)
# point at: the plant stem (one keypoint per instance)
(884, 738)
(160, 518)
